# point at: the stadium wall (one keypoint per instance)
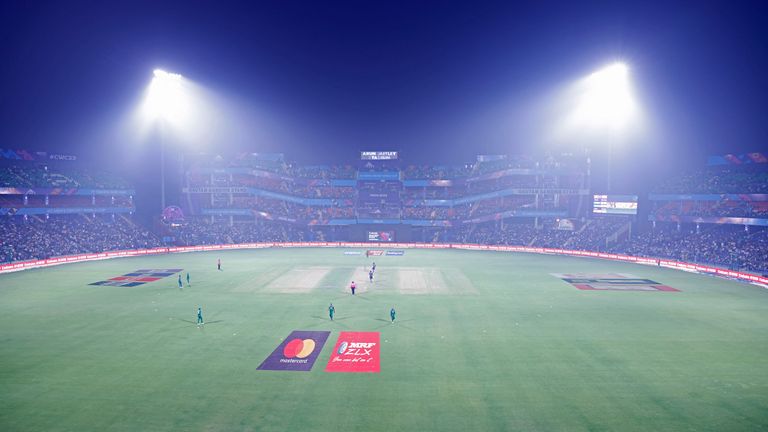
(689, 267)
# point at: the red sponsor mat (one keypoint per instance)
(355, 352)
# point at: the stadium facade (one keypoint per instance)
(53, 205)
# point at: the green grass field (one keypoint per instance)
(484, 341)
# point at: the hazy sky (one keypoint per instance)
(320, 81)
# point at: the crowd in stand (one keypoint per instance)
(725, 245)
(718, 180)
(324, 191)
(199, 231)
(69, 235)
(492, 233)
(324, 172)
(432, 213)
(592, 236)
(729, 245)
(418, 210)
(723, 208)
(279, 208)
(427, 172)
(423, 193)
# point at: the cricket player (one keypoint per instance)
(370, 276)
(218, 264)
(200, 316)
(374, 266)
(188, 284)
(331, 311)
(392, 314)
(180, 286)
(352, 287)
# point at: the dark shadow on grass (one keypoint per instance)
(327, 322)
(383, 326)
(392, 325)
(195, 322)
(332, 320)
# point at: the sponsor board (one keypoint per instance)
(297, 352)
(381, 236)
(395, 253)
(375, 252)
(355, 352)
(677, 265)
(352, 253)
(138, 277)
(612, 282)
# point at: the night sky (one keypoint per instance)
(440, 82)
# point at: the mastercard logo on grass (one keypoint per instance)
(299, 348)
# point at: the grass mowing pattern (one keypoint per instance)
(521, 351)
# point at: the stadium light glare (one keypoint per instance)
(606, 102)
(601, 111)
(165, 99)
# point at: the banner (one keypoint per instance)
(64, 191)
(355, 352)
(216, 189)
(297, 352)
(741, 276)
(381, 236)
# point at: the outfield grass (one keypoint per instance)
(503, 345)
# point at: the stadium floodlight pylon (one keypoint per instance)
(604, 108)
(165, 104)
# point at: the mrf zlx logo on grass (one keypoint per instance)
(297, 352)
(355, 352)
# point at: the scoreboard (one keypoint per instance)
(615, 204)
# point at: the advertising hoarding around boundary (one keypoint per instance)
(690, 267)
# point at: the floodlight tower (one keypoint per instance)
(607, 105)
(162, 103)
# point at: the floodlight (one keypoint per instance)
(161, 74)
(606, 102)
(165, 98)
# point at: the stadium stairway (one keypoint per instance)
(613, 239)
